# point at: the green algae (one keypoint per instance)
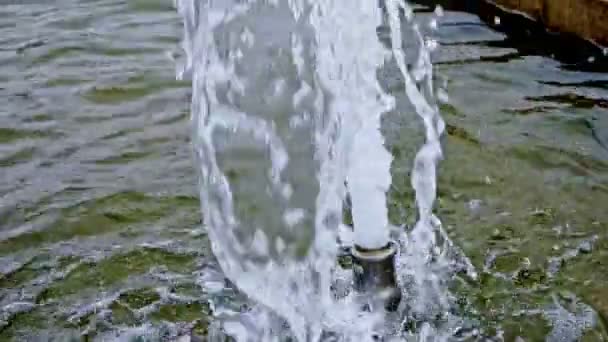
(188, 312)
(530, 277)
(587, 275)
(461, 133)
(507, 263)
(187, 289)
(151, 6)
(18, 157)
(114, 213)
(9, 135)
(58, 53)
(122, 315)
(124, 158)
(201, 328)
(64, 81)
(134, 89)
(120, 133)
(26, 272)
(116, 269)
(116, 94)
(528, 327)
(21, 322)
(514, 210)
(41, 117)
(449, 110)
(137, 299)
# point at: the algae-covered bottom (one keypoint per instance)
(100, 226)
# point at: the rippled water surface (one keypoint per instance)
(100, 226)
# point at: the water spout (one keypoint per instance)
(368, 181)
(283, 119)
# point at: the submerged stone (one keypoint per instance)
(529, 277)
(186, 312)
(137, 299)
(115, 269)
(585, 247)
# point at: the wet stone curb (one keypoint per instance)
(585, 18)
(572, 31)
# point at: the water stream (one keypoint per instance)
(296, 114)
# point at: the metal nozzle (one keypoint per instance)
(374, 272)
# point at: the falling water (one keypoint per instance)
(287, 124)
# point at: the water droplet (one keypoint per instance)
(474, 205)
(408, 12)
(170, 55)
(439, 11)
(287, 191)
(247, 37)
(497, 20)
(442, 95)
(591, 59)
(279, 245)
(431, 44)
(259, 244)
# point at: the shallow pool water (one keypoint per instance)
(100, 226)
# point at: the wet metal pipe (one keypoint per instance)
(374, 273)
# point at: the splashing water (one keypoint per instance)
(286, 107)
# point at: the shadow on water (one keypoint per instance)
(528, 36)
